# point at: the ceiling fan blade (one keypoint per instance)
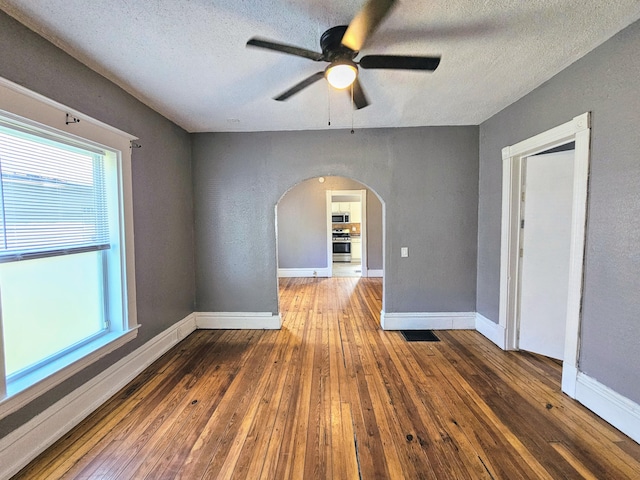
(299, 86)
(284, 48)
(359, 98)
(365, 22)
(400, 62)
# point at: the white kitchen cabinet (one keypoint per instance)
(356, 248)
(355, 209)
(340, 207)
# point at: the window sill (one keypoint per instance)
(26, 389)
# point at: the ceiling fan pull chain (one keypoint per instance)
(352, 109)
(329, 102)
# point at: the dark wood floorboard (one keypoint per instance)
(331, 395)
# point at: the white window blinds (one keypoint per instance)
(52, 196)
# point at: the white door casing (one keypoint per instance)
(363, 225)
(545, 242)
(578, 131)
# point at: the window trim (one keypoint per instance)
(20, 101)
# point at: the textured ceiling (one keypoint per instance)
(187, 58)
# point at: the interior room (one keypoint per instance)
(212, 131)
(347, 230)
(322, 218)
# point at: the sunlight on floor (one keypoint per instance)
(341, 269)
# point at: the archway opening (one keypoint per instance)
(329, 227)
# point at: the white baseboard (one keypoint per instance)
(616, 409)
(494, 332)
(569, 379)
(238, 320)
(22, 445)
(319, 272)
(304, 272)
(428, 320)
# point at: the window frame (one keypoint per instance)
(36, 109)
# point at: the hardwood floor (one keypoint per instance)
(333, 396)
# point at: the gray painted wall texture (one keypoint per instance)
(426, 177)
(162, 189)
(375, 234)
(302, 224)
(605, 82)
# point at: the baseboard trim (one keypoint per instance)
(304, 272)
(25, 443)
(428, 320)
(614, 408)
(375, 273)
(494, 332)
(569, 379)
(238, 320)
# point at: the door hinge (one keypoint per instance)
(521, 252)
(522, 223)
(522, 197)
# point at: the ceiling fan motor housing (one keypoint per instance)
(331, 44)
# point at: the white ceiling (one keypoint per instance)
(187, 58)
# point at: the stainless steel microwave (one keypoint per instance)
(340, 218)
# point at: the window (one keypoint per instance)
(66, 296)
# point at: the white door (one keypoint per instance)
(545, 242)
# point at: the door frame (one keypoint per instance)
(363, 226)
(577, 130)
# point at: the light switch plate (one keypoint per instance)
(404, 252)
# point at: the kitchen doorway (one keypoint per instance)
(347, 224)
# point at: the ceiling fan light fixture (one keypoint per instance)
(341, 73)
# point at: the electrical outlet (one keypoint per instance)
(404, 252)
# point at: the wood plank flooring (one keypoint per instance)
(333, 396)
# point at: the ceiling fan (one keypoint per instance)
(340, 46)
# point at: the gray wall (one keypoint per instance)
(375, 224)
(162, 189)
(302, 224)
(605, 82)
(427, 178)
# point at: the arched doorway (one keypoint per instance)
(304, 228)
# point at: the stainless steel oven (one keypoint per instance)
(341, 245)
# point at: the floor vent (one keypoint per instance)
(419, 336)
